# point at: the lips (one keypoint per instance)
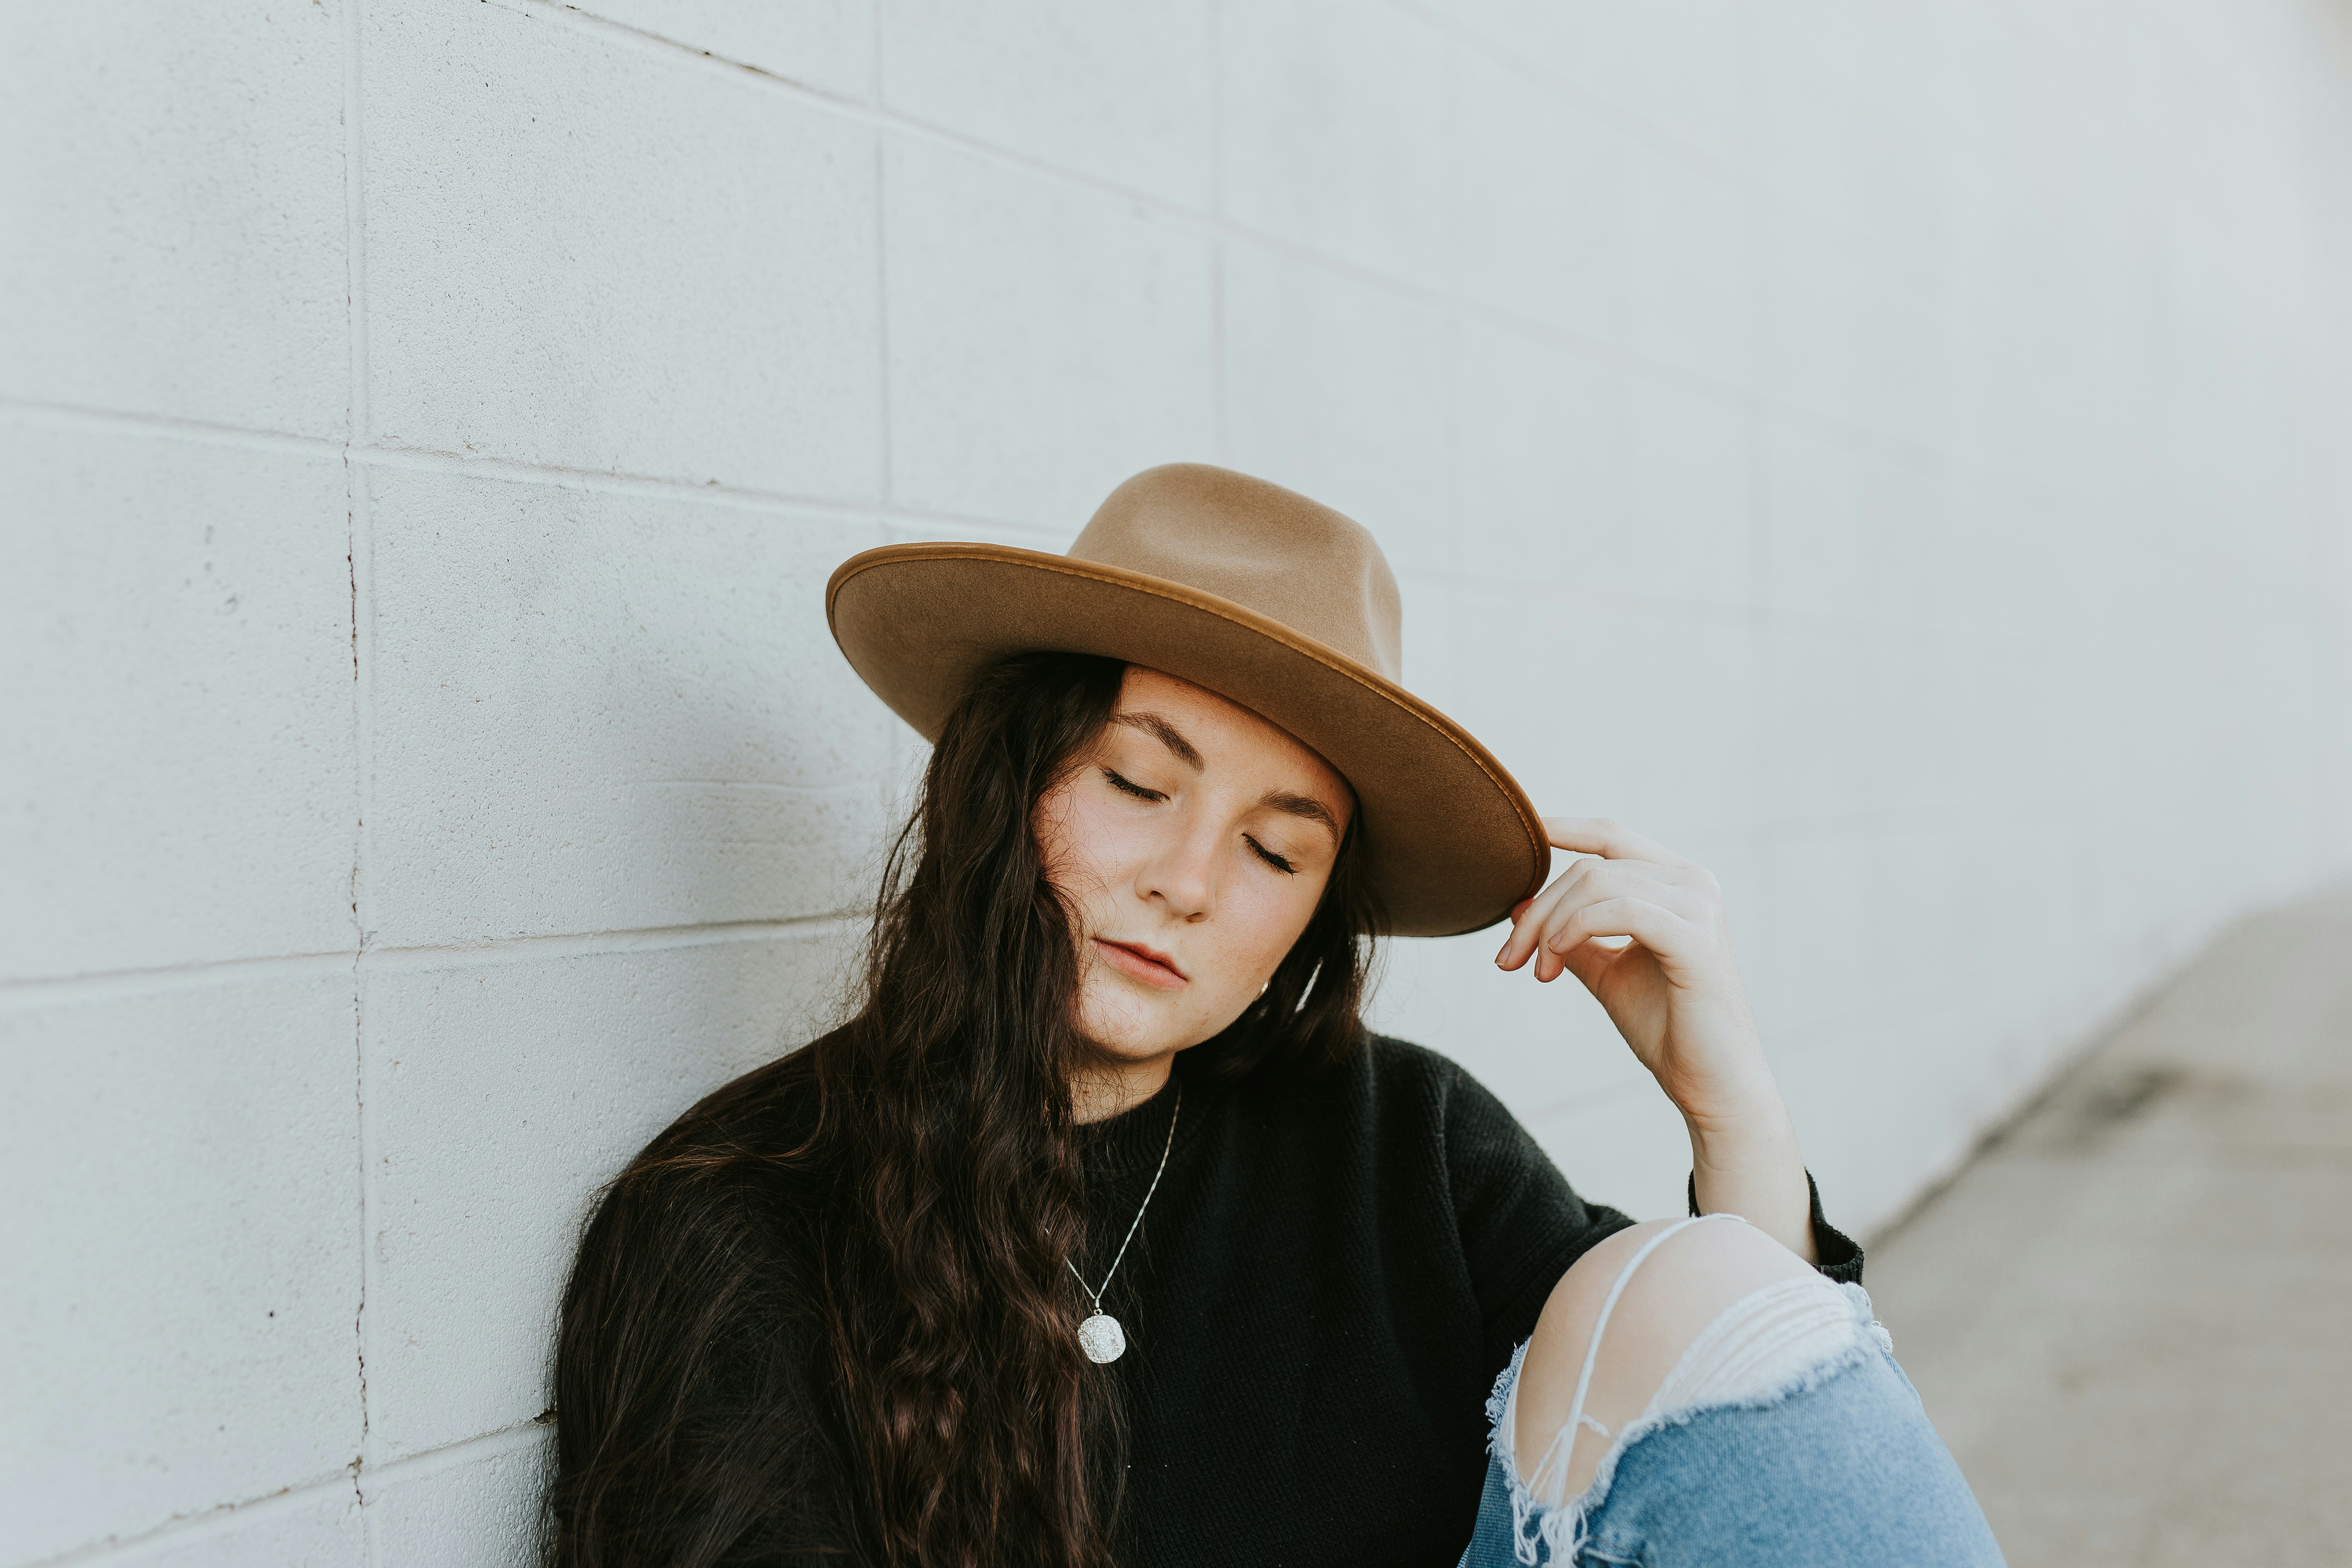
(1138, 962)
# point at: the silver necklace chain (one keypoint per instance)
(1093, 1295)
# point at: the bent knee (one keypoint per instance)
(1723, 1254)
(1683, 1286)
(1677, 1291)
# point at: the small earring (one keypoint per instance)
(1262, 990)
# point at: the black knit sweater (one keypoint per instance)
(1317, 1304)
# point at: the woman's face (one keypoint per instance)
(1193, 842)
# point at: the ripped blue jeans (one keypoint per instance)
(1786, 1435)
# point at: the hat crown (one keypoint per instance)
(1267, 549)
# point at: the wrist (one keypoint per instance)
(1752, 1166)
(1743, 1113)
(1739, 1137)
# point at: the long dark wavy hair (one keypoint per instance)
(936, 1185)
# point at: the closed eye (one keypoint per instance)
(1128, 786)
(1270, 857)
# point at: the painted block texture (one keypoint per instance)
(172, 230)
(476, 1511)
(320, 1526)
(199, 596)
(1126, 95)
(1045, 340)
(597, 712)
(588, 253)
(178, 1317)
(1893, 456)
(502, 1095)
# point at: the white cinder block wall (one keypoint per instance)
(1897, 454)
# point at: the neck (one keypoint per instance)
(1110, 1085)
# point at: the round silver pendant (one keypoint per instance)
(1101, 1338)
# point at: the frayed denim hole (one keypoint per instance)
(1532, 1523)
(1574, 1517)
(1864, 1315)
(1567, 1530)
(1498, 1403)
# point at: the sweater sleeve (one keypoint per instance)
(1837, 1254)
(1521, 1223)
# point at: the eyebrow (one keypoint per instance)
(1167, 734)
(1304, 805)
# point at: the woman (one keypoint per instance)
(1103, 1232)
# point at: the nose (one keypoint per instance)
(1181, 876)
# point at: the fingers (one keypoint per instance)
(1528, 919)
(1590, 960)
(1607, 838)
(1663, 931)
(1543, 923)
(1635, 885)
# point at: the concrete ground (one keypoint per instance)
(2131, 1317)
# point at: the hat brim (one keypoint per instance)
(1454, 842)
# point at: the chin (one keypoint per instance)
(1127, 1044)
(1128, 1028)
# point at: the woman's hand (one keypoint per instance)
(1673, 993)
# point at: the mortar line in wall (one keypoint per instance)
(1756, 482)
(366, 1481)
(1582, 595)
(885, 118)
(26, 995)
(749, 497)
(1863, 244)
(883, 483)
(512, 471)
(374, 1478)
(81, 416)
(70, 990)
(355, 218)
(1754, 604)
(874, 84)
(196, 1526)
(654, 939)
(874, 92)
(1217, 367)
(363, 1137)
(1158, 205)
(1457, 337)
(1699, 160)
(1218, 434)
(362, 729)
(742, 497)
(739, 497)
(1692, 156)
(1524, 326)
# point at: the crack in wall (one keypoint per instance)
(355, 435)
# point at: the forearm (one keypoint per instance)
(1645, 931)
(1750, 1165)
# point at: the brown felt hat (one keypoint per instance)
(1255, 594)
